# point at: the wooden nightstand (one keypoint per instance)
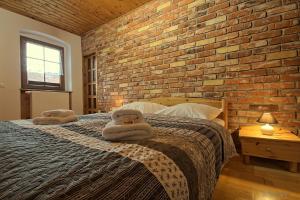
(282, 145)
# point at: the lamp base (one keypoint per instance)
(267, 129)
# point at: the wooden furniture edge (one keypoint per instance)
(292, 165)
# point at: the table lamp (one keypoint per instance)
(267, 119)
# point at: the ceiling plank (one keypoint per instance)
(75, 16)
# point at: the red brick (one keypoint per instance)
(175, 85)
(218, 7)
(212, 94)
(237, 68)
(206, 53)
(195, 61)
(215, 45)
(227, 23)
(228, 10)
(252, 59)
(269, 34)
(225, 87)
(283, 70)
(291, 14)
(215, 58)
(237, 81)
(282, 9)
(292, 62)
(215, 33)
(279, 85)
(220, 1)
(240, 13)
(267, 5)
(196, 38)
(251, 86)
(267, 21)
(284, 39)
(275, 63)
(207, 17)
(280, 25)
(239, 40)
(205, 29)
(253, 31)
(215, 70)
(186, 90)
(202, 7)
(239, 54)
(249, 113)
(284, 115)
(239, 27)
(290, 77)
(290, 92)
(263, 107)
(292, 30)
(252, 100)
(264, 50)
(253, 17)
(282, 100)
(263, 93)
(265, 79)
(294, 45)
(253, 73)
(184, 2)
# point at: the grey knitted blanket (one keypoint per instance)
(73, 161)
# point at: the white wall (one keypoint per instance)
(12, 25)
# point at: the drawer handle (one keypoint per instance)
(257, 143)
(268, 149)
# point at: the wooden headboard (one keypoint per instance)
(171, 101)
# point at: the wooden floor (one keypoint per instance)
(262, 180)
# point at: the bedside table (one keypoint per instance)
(282, 145)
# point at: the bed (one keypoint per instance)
(73, 161)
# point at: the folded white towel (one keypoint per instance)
(54, 120)
(137, 131)
(58, 113)
(127, 116)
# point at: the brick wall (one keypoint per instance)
(245, 51)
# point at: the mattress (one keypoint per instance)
(73, 161)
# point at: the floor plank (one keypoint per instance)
(261, 180)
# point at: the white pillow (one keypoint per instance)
(144, 107)
(192, 110)
(219, 121)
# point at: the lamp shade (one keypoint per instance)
(267, 118)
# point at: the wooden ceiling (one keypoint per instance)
(75, 16)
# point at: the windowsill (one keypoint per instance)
(41, 90)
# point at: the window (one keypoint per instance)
(42, 65)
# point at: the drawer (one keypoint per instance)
(288, 151)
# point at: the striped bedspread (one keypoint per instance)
(73, 161)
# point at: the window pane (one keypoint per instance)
(90, 103)
(52, 55)
(52, 72)
(94, 62)
(34, 51)
(94, 102)
(35, 70)
(94, 75)
(89, 63)
(94, 89)
(89, 76)
(90, 90)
